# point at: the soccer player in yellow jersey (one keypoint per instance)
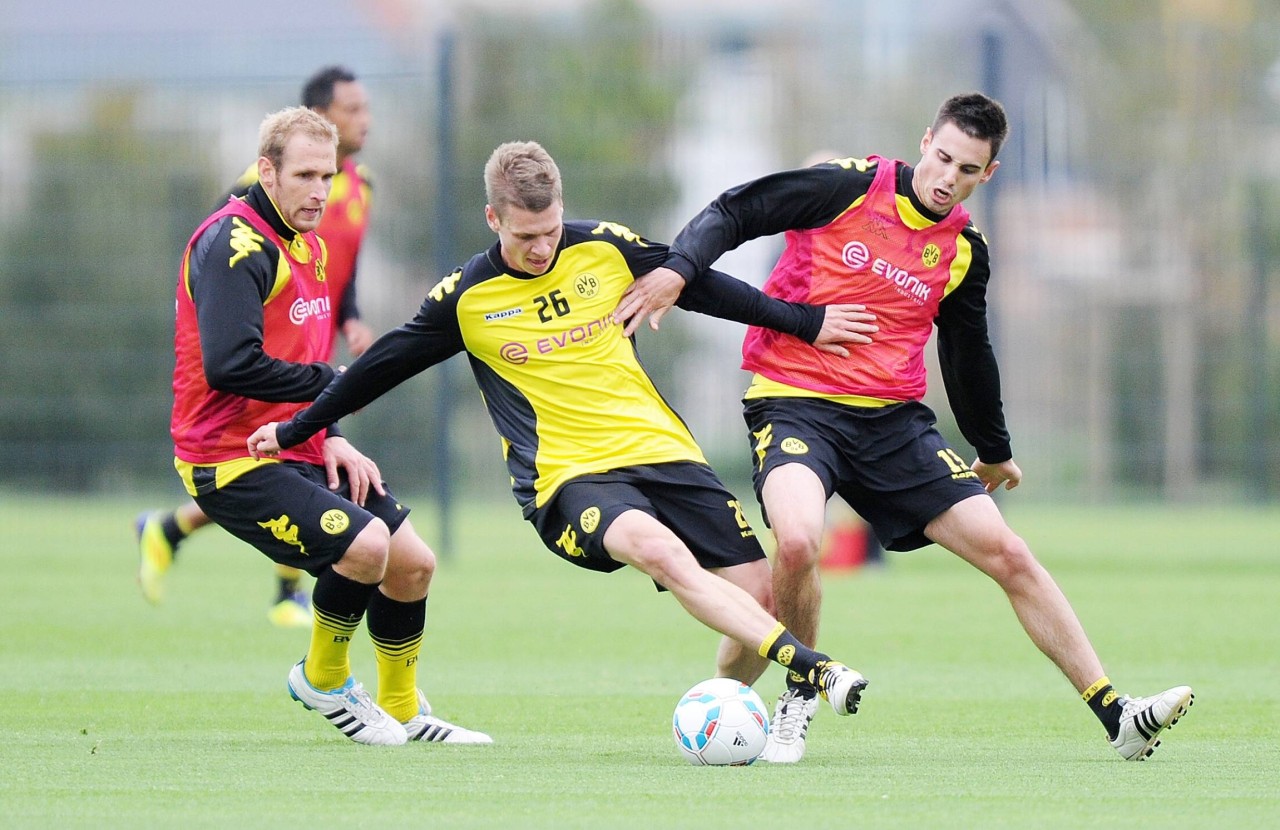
(896, 238)
(601, 465)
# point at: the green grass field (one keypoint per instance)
(119, 714)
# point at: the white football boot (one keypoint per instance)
(1144, 718)
(790, 725)
(349, 708)
(839, 685)
(427, 728)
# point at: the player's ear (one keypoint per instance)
(989, 172)
(926, 140)
(266, 172)
(491, 217)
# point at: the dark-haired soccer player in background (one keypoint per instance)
(896, 239)
(338, 95)
(600, 464)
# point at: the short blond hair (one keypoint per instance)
(278, 127)
(522, 174)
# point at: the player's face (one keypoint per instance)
(349, 112)
(300, 187)
(952, 164)
(529, 240)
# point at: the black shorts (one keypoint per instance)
(888, 463)
(685, 496)
(288, 512)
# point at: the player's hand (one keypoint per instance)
(845, 323)
(362, 472)
(263, 444)
(650, 295)
(359, 337)
(993, 475)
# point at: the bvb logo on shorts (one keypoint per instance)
(786, 654)
(590, 519)
(931, 255)
(793, 446)
(334, 522)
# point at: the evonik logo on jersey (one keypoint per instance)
(857, 256)
(302, 309)
(519, 353)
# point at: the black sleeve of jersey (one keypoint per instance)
(717, 294)
(347, 308)
(968, 361)
(429, 338)
(809, 197)
(228, 300)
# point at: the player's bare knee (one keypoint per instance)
(410, 566)
(1012, 562)
(666, 563)
(365, 559)
(797, 550)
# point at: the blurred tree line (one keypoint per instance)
(87, 279)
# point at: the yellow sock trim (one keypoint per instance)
(328, 665)
(285, 572)
(778, 631)
(1098, 685)
(398, 677)
(184, 524)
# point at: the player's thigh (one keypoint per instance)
(287, 512)
(795, 500)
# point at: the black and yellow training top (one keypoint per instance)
(565, 390)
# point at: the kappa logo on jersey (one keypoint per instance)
(620, 231)
(244, 240)
(587, 285)
(502, 315)
(857, 256)
(445, 286)
(285, 531)
(302, 309)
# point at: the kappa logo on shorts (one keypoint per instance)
(590, 519)
(568, 542)
(334, 521)
(764, 439)
(285, 531)
(794, 446)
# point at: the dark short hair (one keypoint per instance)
(977, 116)
(317, 92)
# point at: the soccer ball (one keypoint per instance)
(720, 722)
